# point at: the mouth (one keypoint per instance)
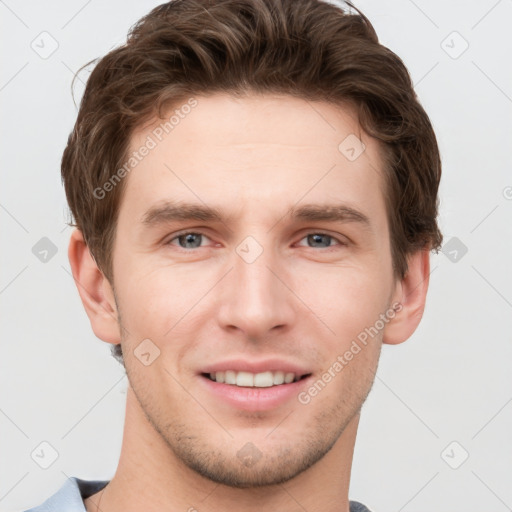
(246, 391)
(254, 385)
(254, 380)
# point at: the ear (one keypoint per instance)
(94, 290)
(410, 293)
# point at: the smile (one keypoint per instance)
(258, 380)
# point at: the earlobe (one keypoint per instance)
(411, 294)
(94, 289)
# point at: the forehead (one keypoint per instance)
(258, 154)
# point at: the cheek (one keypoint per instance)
(163, 303)
(347, 299)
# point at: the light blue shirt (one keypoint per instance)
(70, 497)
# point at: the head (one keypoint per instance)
(251, 180)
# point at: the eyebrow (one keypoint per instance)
(180, 211)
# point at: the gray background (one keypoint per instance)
(444, 394)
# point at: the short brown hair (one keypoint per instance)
(309, 49)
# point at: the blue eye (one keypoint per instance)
(192, 240)
(321, 238)
(188, 238)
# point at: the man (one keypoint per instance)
(254, 187)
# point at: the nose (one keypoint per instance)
(256, 296)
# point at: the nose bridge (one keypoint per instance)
(255, 300)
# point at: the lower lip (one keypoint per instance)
(255, 399)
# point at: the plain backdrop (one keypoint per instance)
(435, 432)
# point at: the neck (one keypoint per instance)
(150, 477)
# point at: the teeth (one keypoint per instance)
(278, 377)
(245, 379)
(253, 380)
(263, 380)
(229, 377)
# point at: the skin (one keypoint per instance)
(301, 301)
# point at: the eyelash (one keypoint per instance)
(325, 249)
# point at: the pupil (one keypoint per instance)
(189, 238)
(316, 238)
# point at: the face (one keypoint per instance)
(276, 259)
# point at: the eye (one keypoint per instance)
(322, 238)
(188, 240)
(193, 240)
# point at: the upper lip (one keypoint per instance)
(267, 365)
